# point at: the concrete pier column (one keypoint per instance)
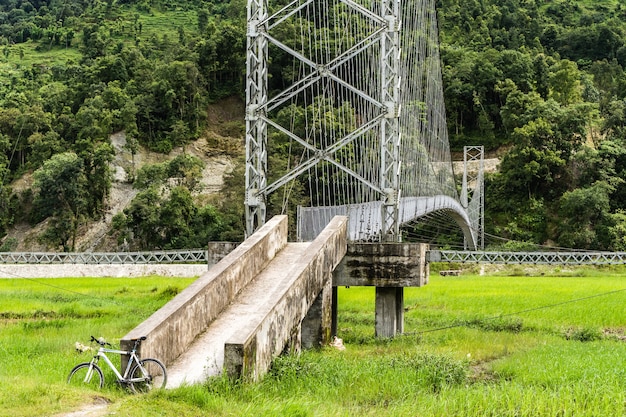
(317, 324)
(389, 311)
(399, 310)
(334, 313)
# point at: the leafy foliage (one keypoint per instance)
(150, 78)
(544, 81)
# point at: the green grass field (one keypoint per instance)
(551, 345)
(41, 319)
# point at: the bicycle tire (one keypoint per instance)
(81, 376)
(156, 377)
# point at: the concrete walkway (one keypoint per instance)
(265, 295)
(205, 356)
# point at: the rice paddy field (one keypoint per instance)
(514, 342)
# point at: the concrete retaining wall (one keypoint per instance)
(249, 354)
(171, 329)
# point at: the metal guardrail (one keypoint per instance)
(533, 258)
(156, 257)
(202, 256)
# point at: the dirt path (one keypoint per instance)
(98, 408)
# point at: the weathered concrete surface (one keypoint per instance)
(218, 250)
(389, 267)
(205, 356)
(389, 320)
(172, 328)
(383, 265)
(299, 282)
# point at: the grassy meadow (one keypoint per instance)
(40, 321)
(549, 342)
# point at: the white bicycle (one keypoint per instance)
(141, 375)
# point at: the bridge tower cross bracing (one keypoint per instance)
(382, 107)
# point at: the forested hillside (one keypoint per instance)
(545, 81)
(540, 83)
(73, 72)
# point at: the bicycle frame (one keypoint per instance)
(102, 354)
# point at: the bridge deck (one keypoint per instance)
(205, 356)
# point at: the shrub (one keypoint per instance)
(583, 334)
(436, 371)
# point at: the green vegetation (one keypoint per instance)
(506, 344)
(541, 84)
(40, 321)
(72, 73)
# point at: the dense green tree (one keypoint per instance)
(99, 176)
(62, 190)
(582, 213)
(186, 170)
(141, 220)
(565, 85)
(175, 214)
(151, 175)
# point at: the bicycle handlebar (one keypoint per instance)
(103, 342)
(100, 341)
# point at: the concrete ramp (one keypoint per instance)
(264, 297)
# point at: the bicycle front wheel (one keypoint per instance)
(148, 374)
(86, 374)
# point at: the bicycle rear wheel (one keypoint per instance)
(147, 375)
(86, 374)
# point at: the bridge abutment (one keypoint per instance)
(300, 312)
(316, 327)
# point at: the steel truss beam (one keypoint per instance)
(532, 258)
(390, 125)
(256, 127)
(96, 258)
(473, 184)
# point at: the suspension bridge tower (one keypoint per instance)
(329, 47)
(349, 93)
